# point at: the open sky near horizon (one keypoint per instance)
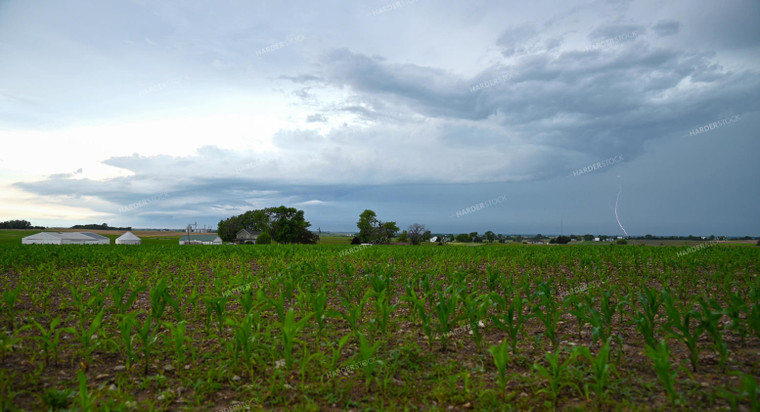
(159, 114)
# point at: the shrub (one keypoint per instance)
(621, 242)
(264, 239)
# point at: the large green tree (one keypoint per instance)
(366, 224)
(283, 224)
(372, 230)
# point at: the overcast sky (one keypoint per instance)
(163, 113)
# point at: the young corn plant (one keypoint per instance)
(10, 339)
(660, 357)
(679, 326)
(500, 354)
(577, 309)
(276, 303)
(754, 319)
(179, 341)
(746, 392)
(445, 310)
(119, 292)
(650, 301)
(127, 323)
(215, 305)
(289, 329)
(548, 312)
(601, 321)
(336, 351)
(603, 371)
(383, 310)
(247, 301)
(85, 398)
(476, 308)
(159, 298)
(57, 399)
(148, 338)
(492, 278)
(85, 334)
(425, 319)
(737, 306)
(9, 299)
(709, 318)
(306, 359)
(354, 312)
(319, 308)
(366, 354)
(556, 374)
(49, 338)
(515, 311)
(411, 298)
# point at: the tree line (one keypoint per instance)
(281, 224)
(18, 224)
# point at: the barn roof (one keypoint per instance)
(199, 238)
(67, 236)
(128, 236)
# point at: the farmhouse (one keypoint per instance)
(200, 240)
(128, 238)
(66, 238)
(245, 236)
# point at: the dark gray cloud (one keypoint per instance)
(666, 28)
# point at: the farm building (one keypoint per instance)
(66, 238)
(128, 238)
(245, 236)
(200, 240)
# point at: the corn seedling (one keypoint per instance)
(215, 305)
(709, 319)
(660, 357)
(319, 308)
(500, 354)
(127, 322)
(159, 298)
(602, 375)
(49, 338)
(336, 351)
(353, 314)
(87, 336)
(736, 307)
(476, 308)
(445, 310)
(10, 339)
(289, 329)
(9, 299)
(547, 311)
(556, 374)
(366, 354)
(148, 338)
(118, 294)
(383, 310)
(85, 399)
(679, 326)
(179, 341)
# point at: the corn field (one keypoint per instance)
(291, 327)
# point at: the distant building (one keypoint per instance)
(245, 236)
(200, 240)
(128, 238)
(66, 238)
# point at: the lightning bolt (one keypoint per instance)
(617, 201)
